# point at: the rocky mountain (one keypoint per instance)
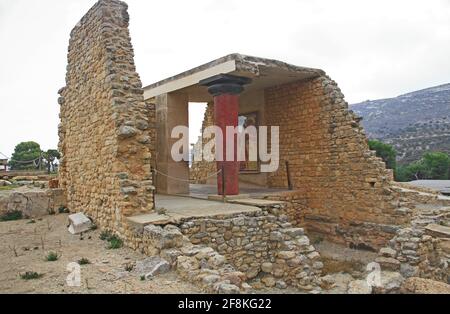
(414, 123)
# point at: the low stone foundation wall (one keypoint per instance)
(262, 246)
(226, 252)
(355, 232)
(33, 203)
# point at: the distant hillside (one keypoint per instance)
(414, 123)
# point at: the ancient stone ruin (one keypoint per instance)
(116, 167)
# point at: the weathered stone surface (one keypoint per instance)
(152, 266)
(388, 263)
(79, 223)
(5, 183)
(32, 202)
(226, 288)
(388, 252)
(269, 281)
(390, 282)
(359, 287)
(425, 286)
(267, 267)
(103, 116)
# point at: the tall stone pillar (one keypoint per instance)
(226, 89)
(173, 176)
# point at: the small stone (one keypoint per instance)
(267, 267)
(152, 266)
(216, 261)
(126, 131)
(269, 281)
(210, 279)
(225, 288)
(294, 232)
(286, 254)
(318, 265)
(388, 252)
(281, 285)
(314, 255)
(359, 287)
(276, 236)
(388, 263)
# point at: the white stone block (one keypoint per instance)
(79, 223)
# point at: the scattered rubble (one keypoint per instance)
(152, 266)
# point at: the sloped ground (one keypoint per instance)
(105, 274)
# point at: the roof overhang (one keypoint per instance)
(264, 73)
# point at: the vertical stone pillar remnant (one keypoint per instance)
(105, 132)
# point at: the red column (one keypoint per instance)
(226, 89)
(226, 109)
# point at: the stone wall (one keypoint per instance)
(104, 131)
(345, 189)
(201, 171)
(261, 245)
(342, 190)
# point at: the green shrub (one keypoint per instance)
(385, 152)
(84, 261)
(105, 235)
(52, 257)
(8, 187)
(63, 210)
(30, 275)
(129, 267)
(115, 243)
(12, 215)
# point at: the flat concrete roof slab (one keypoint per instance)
(264, 72)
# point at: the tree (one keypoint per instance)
(26, 156)
(50, 156)
(432, 166)
(385, 152)
(436, 166)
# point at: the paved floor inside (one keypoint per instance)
(179, 208)
(203, 190)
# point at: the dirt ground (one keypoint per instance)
(105, 274)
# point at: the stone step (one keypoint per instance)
(438, 230)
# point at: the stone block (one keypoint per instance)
(79, 223)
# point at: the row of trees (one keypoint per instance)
(29, 156)
(432, 165)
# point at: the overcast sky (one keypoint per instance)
(373, 49)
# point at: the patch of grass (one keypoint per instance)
(30, 275)
(142, 278)
(129, 267)
(84, 261)
(8, 187)
(115, 243)
(52, 257)
(11, 215)
(94, 227)
(63, 210)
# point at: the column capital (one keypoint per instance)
(225, 84)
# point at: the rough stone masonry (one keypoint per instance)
(104, 131)
(107, 140)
